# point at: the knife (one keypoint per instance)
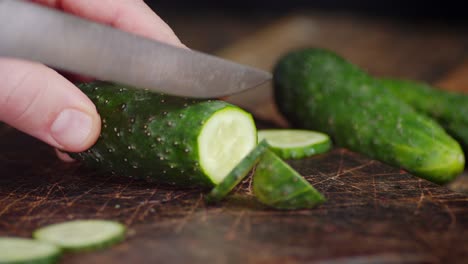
(66, 42)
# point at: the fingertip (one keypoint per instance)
(40, 102)
(76, 130)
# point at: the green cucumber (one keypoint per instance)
(317, 89)
(82, 235)
(15, 250)
(167, 139)
(450, 109)
(295, 143)
(237, 174)
(278, 185)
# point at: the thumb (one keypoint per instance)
(42, 103)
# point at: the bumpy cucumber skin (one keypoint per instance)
(319, 90)
(237, 174)
(278, 185)
(50, 259)
(149, 135)
(450, 109)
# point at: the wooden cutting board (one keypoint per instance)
(374, 214)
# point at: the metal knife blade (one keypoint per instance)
(63, 41)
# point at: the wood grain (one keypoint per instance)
(374, 213)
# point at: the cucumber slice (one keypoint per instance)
(278, 185)
(15, 250)
(295, 143)
(81, 235)
(237, 174)
(225, 139)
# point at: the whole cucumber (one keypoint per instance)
(167, 139)
(319, 90)
(450, 109)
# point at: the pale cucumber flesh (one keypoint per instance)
(15, 250)
(226, 138)
(80, 235)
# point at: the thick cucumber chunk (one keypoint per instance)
(167, 139)
(318, 90)
(295, 143)
(81, 235)
(237, 174)
(278, 185)
(23, 250)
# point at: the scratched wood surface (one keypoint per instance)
(374, 213)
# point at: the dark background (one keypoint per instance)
(443, 10)
(209, 25)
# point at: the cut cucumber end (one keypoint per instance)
(22, 250)
(237, 174)
(279, 186)
(81, 235)
(295, 143)
(225, 139)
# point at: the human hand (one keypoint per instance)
(39, 101)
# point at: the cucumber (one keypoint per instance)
(450, 109)
(295, 143)
(237, 174)
(318, 90)
(278, 185)
(82, 235)
(15, 250)
(167, 139)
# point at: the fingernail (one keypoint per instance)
(71, 128)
